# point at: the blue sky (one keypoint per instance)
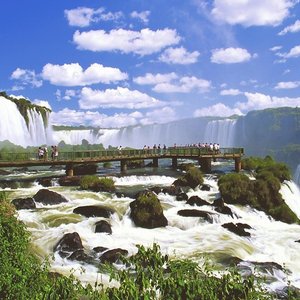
(120, 63)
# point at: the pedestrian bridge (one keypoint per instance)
(68, 159)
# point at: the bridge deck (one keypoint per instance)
(95, 156)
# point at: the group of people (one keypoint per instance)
(43, 153)
(156, 148)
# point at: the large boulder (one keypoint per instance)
(238, 228)
(47, 197)
(103, 226)
(94, 211)
(195, 200)
(68, 244)
(112, 256)
(45, 182)
(196, 213)
(147, 212)
(192, 178)
(24, 203)
(69, 181)
(85, 169)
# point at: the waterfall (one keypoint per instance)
(221, 131)
(14, 129)
(297, 176)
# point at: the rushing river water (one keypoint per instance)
(271, 241)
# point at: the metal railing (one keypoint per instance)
(111, 154)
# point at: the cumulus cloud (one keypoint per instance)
(257, 101)
(184, 85)
(154, 79)
(142, 42)
(43, 103)
(84, 16)
(287, 85)
(230, 56)
(74, 75)
(292, 28)
(143, 16)
(230, 92)
(179, 56)
(118, 98)
(219, 109)
(26, 78)
(252, 13)
(294, 52)
(163, 115)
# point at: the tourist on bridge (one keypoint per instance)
(40, 153)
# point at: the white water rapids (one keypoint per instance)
(184, 237)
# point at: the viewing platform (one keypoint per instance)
(204, 157)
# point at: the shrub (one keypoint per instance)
(192, 178)
(94, 183)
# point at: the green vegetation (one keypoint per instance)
(261, 193)
(107, 165)
(96, 184)
(192, 178)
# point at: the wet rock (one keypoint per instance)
(47, 197)
(4, 172)
(81, 256)
(136, 164)
(195, 213)
(218, 202)
(85, 169)
(103, 226)
(68, 244)
(156, 189)
(182, 197)
(94, 211)
(99, 249)
(172, 190)
(238, 228)
(24, 203)
(45, 182)
(112, 256)
(69, 181)
(224, 210)
(147, 212)
(195, 200)
(205, 187)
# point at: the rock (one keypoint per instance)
(99, 249)
(94, 211)
(4, 172)
(237, 228)
(47, 197)
(24, 203)
(195, 200)
(111, 256)
(80, 255)
(224, 210)
(103, 226)
(156, 189)
(218, 202)
(45, 182)
(195, 213)
(205, 187)
(147, 212)
(85, 169)
(135, 164)
(172, 190)
(69, 181)
(68, 244)
(182, 197)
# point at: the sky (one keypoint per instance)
(116, 63)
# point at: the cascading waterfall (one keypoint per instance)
(221, 131)
(297, 175)
(14, 129)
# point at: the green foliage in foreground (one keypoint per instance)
(96, 184)
(149, 274)
(261, 193)
(192, 178)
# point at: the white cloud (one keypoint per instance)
(275, 48)
(287, 85)
(84, 16)
(179, 56)
(185, 85)
(141, 42)
(219, 109)
(150, 78)
(292, 28)
(294, 52)
(230, 92)
(252, 13)
(163, 115)
(256, 101)
(44, 103)
(143, 16)
(74, 75)
(25, 78)
(230, 56)
(119, 98)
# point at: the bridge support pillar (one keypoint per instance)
(155, 162)
(174, 163)
(237, 164)
(205, 163)
(69, 170)
(123, 166)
